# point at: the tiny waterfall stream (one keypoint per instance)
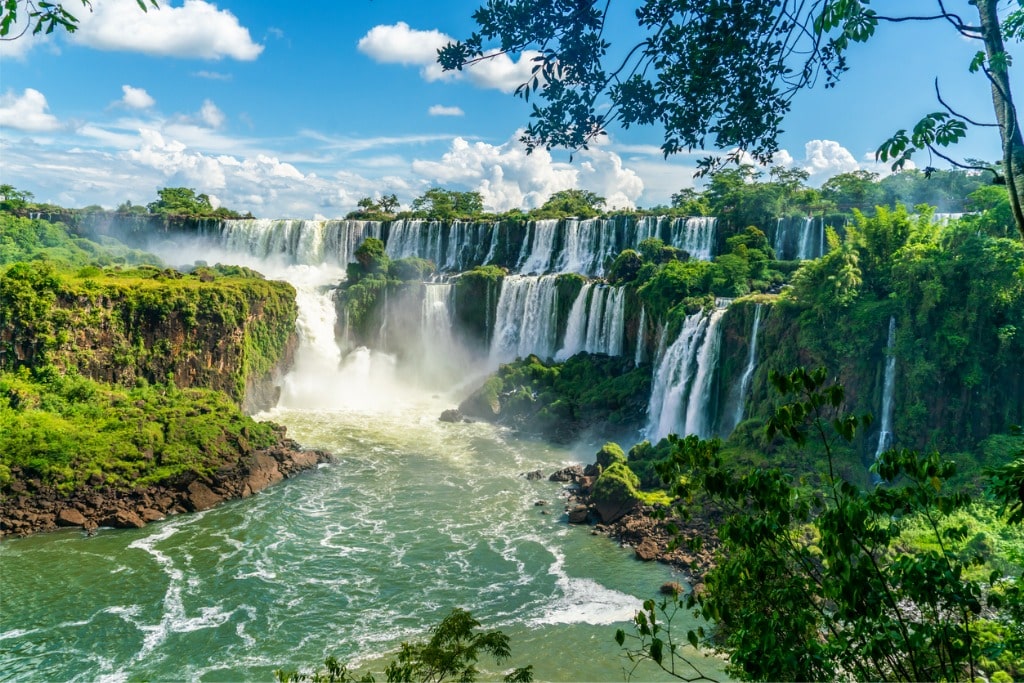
(415, 517)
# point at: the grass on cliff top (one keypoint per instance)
(70, 432)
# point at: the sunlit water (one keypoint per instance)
(414, 518)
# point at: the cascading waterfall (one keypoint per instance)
(641, 337)
(524, 321)
(695, 235)
(293, 241)
(597, 322)
(811, 240)
(542, 247)
(681, 396)
(748, 371)
(888, 387)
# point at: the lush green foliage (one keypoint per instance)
(122, 325)
(446, 205)
(24, 239)
(70, 432)
(452, 652)
(184, 202)
(833, 581)
(722, 74)
(570, 203)
(562, 399)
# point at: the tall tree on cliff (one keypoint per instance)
(724, 72)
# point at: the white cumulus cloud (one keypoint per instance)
(401, 44)
(507, 177)
(196, 30)
(136, 98)
(441, 110)
(826, 158)
(211, 115)
(28, 112)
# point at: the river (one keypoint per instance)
(414, 518)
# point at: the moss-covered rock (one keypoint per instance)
(609, 454)
(616, 492)
(147, 325)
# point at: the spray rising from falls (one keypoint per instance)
(682, 392)
(888, 387)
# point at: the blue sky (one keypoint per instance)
(300, 110)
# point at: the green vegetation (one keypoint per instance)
(827, 581)
(452, 652)
(561, 400)
(570, 204)
(70, 432)
(123, 325)
(24, 239)
(440, 204)
(183, 202)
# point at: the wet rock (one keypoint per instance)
(452, 415)
(578, 514)
(572, 474)
(69, 517)
(199, 496)
(647, 550)
(540, 502)
(534, 475)
(671, 588)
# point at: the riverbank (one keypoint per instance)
(655, 533)
(31, 507)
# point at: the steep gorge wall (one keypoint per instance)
(233, 334)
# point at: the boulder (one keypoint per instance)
(263, 472)
(579, 514)
(534, 475)
(671, 588)
(451, 415)
(70, 517)
(124, 519)
(198, 496)
(573, 473)
(647, 550)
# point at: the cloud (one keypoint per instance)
(27, 112)
(212, 75)
(507, 177)
(136, 98)
(196, 30)
(211, 115)
(400, 44)
(441, 110)
(826, 158)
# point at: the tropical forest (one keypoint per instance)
(768, 427)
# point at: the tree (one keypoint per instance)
(723, 73)
(44, 17)
(453, 650)
(855, 190)
(577, 203)
(812, 584)
(442, 204)
(13, 199)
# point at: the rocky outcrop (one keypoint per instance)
(32, 508)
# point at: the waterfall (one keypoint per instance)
(781, 236)
(597, 322)
(576, 327)
(641, 337)
(538, 259)
(695, 235)
(295, 242)
(524, 321)
(587, 244)
(683, 380)
(748, 372)
(885, 432)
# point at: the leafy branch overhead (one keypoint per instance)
(720, 74)
(44, 17)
